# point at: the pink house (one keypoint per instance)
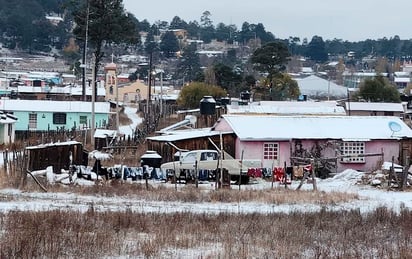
(335, 143)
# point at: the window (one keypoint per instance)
(33, 121)
(270, 151)
(83, 120)
(59, 118)
(208, 156)
(352, 148)
(386, 113)
(10, 130)
(190, 157)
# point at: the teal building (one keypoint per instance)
(40, 115)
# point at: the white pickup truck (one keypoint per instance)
(193, 161)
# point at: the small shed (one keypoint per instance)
(103, 137)
(59, 155)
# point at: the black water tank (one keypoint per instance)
(225, 101)
(207, 105)
(151, 158)
(245, 96)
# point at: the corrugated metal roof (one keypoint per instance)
(316, 86)
(288, 108)
(186, 134)
(53, 106)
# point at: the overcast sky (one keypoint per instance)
(352, 20)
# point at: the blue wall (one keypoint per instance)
(45, 120)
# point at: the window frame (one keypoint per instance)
(59, 118)
(33, 118)
(81, 118)
(270, 151)
(353, 148)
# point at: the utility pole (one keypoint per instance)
(149, 76)
(85, 53)
(93, 102)
(117, 100)
(161, 91)
(348, 101)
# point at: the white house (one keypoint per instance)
(7, 128)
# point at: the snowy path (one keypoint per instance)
(131, 112)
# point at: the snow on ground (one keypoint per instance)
(131, 112)
(370, 198)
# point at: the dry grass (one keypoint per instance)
(68, 234)
(112, 234)
(189, 193)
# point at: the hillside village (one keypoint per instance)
(322, 126)
(305, 109)
(125, 139)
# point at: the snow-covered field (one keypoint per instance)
(370, 198)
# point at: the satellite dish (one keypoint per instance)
(394, 126)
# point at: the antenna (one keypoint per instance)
(394, 127)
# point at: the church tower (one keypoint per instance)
(111, 81)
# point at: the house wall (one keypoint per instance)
(390, 148)
(254, 150)
(373, 113)
(46, 122)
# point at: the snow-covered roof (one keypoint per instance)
(210, 52)
(104, 133)
(53, 106)
(364, 74)
(6, 118)
(66, 143)
(307, 70)
(361, 128)
(288, 108)
(186, 134)
(151, 154)
(402, 80)
(373, 106)
(72, 90)
(56, 18)
(401, 74)
(316, 86)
